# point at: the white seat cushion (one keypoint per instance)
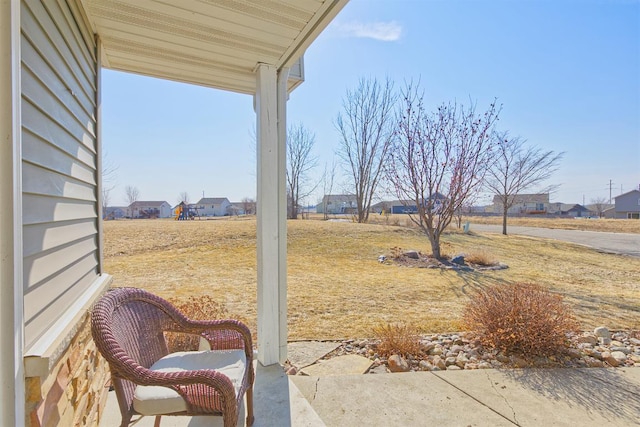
(157, 400)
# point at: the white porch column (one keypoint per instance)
(12, 398)
(270, 105)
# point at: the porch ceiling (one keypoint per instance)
(214, 43)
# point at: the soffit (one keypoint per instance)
(214, 43)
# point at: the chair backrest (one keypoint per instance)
(127, 325)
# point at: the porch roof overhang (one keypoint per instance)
(212, 43)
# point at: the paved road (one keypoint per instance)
(617, 243)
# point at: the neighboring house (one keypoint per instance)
(569, 209)
(149, 209)
(338, 204)
(578, 211)
(628, 205)
(404, 206)
(243, 208)
(214, 206)
(114, 212)
(524, 204)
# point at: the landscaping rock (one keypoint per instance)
(587, 339)
(624, 350)
(458, 259)
(412, 254)
(602, 332)
(425, 365)
(397, 363)
(619, 356)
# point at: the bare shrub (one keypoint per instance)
(202, 307)
(397, 338)
(523, 318)
(480, 257)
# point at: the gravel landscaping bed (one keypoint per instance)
(455, 351)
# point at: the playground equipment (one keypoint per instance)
(184, 212)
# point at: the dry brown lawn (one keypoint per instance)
(600, 224)
(338, 289)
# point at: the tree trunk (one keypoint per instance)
(435, 246)
(504, 219)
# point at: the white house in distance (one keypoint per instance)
(213, 206)
(149, 209)
(337, 204)
(524, 204)
(51, 237)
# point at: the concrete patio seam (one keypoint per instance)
(480, 402)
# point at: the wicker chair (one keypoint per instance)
(128, 328)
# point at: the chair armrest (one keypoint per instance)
(223, 334)
(204, 390)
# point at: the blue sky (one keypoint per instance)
(566, 72)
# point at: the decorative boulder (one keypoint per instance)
(412, 254)
(458, 259)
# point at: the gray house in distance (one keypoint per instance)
(628, 205)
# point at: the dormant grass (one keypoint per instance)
(338, 289)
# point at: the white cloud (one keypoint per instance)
(382, 31)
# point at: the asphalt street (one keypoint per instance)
(617, 243)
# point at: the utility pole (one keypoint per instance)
(610, 188)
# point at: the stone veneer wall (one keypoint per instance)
(75, 392)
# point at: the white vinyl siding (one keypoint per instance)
(59, 162)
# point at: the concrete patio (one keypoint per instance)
(530, 397)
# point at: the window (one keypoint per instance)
(633, 215)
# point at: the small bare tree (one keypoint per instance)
(366, 130)
(438, 159)
(328, 178)
(131, 193)
(183, 197)
(300, 161)
(516, 168)
(106, 200)
(600, 205)
(249, 206)
(108, 182)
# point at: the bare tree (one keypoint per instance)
(249, 206)
(516, 168)
(183, 197)
(438, 159)
(132, 193)
(108, 182)
(366, 130)
(328, 177)
(106, 200)
(466, 207)
(300, 161)
(600, 204)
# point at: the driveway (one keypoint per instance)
(616, 243)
